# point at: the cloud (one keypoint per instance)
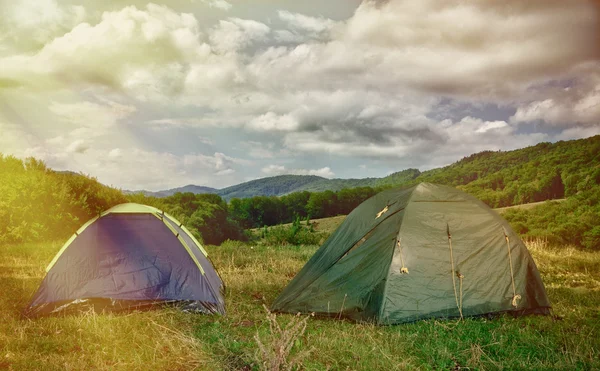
(128, 49)
(259, 150)
(235, 33)
(578, 103)
(579, 132)
(219, 4)
(78, 146)
(430, 143)
(205, 140)
(484, 49)
(303, 28)
(134, 168)
(220, 163)
(91, 114)
(115, 153)
(273, 122)
(302, 22)
(273, 170)
(29, 25)
(225, 172)
(14, 138)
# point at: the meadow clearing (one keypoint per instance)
(170, 340)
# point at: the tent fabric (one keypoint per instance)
(132, 256)
(389, 262)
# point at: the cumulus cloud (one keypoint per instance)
(14, 138)
(273, 170)
(578, 103)
(235, 33)
(206, 140)
(115, 153)
(303, 22)
(219, 4)
(487, 48)
(128, 49)
(134, 168)
(259, 150)
(27, 25)
(78, 146)
(220, 163)
(273, 122)
(302, 28)
(91, 114)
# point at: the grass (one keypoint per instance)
(169, 340)
(528, 206)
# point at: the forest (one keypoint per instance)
(38, 203)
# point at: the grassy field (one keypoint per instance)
(169, 340)
(527, 206)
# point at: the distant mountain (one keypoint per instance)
(285, 184)
(272, 186)
(169, 192)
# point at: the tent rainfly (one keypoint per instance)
(130, 256)
(429, 251)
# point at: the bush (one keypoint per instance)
(575, 221)
(296, 234)
(591, 238)
(281, 235)
(37, 203)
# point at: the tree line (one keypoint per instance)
(37, 203)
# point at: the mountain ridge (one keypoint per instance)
(499, 178)
(280, 185)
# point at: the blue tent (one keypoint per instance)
(131, 256)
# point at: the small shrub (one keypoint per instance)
(591, 238)
(293, 235)
(274, 351)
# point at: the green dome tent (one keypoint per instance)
(429, 251)
(131, 256)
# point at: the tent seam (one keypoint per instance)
(181, 240)
(387, 276)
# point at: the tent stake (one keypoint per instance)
(342, 308)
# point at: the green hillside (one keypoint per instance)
(272, 186)
(541, 172)
(399, 177)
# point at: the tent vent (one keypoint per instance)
(383, 211)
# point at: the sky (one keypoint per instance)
(157, 95)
